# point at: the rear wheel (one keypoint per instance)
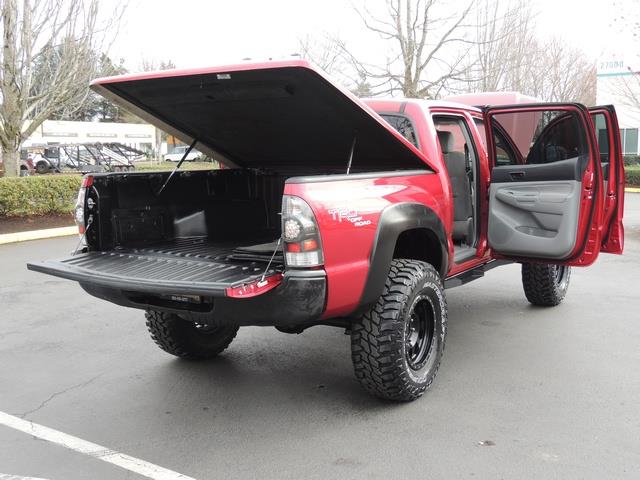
(545, 285)
(187, 339)
(396, 348)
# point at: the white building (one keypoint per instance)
(617, 76)
(136, 135)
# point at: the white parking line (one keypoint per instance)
(4, 476)
(132, 464)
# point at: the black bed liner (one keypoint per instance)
(185, 266)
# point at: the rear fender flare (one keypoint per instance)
(394, 220)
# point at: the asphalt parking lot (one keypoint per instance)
(523, 392)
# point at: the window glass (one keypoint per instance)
(403, 125)
(504, 152)
(457, 147)
(630, 141)
(482, 131)
(600, 122)
(543, 136)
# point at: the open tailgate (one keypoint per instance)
(188, 268)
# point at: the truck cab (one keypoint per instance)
(461, 149)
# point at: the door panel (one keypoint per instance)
(534, 218)
(545, 209)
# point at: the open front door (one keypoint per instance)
(545, 197)
(607, 133)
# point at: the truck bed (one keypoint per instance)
(188, 266)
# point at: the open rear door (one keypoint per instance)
(607, 132)
(545, 203)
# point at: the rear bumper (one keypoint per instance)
(298, 301)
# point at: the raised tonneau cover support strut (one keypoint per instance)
(177, 166)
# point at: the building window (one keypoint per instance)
(629, 140)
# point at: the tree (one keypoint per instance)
(328, 53)
(509, 56)
(148, 65)
(502, 35)
(626, 86)
(325, 52)
(569, 76)
(95, 107)
(428, 47)
(48, 61)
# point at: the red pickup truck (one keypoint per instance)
(339, 211)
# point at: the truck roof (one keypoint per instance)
(469, 101)
(492, 98)
(396, 104)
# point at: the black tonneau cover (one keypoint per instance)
(280, 116)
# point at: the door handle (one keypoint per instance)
(517, 175)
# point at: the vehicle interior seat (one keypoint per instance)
(462, 205)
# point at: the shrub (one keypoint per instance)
(632, 176)
(632, 160)
(38, 195)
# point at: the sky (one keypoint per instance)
(216, 32)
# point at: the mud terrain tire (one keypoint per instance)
(545, 285)
(186, 339)
(397, 346)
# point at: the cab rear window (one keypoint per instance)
(403, 125)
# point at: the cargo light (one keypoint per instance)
(302, 245)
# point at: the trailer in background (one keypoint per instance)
(84, 157)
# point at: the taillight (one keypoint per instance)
(87, 181)
(302, 246)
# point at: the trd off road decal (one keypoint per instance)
(345, 214)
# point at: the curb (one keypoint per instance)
(37, 234)
(632, 189)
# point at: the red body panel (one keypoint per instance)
(420, 113)
(347, 212)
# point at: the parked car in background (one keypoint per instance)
(178, 153)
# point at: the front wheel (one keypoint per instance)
(545, 285)
(187, 339)
(396, 347)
